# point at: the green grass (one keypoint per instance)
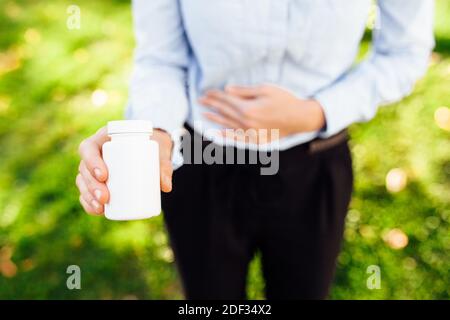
(47, 76)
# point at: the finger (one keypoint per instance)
(88, 208)
(87, 196)
(245, 92)
(98, 190)
(165, 143)
(88, 202)
(90, 152)
(225, 109)
(166, 175)
(223, 121)
(232, 101)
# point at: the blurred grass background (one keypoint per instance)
(57, 86)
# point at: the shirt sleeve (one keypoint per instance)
(402, 45)
(158, 83)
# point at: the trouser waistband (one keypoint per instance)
(316, 145)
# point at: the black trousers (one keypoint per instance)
(219, 215)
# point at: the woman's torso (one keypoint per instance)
(300, 45)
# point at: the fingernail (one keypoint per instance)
(98, 173)
(95, 204)
(98, 194)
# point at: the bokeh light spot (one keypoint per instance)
(99, 98)
(12, 10)
(396, 180)
(32, 36)
(442, 118)
(396, 239)
(9, 61)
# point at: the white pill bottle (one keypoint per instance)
(132, 160)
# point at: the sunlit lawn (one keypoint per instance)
(57, 86)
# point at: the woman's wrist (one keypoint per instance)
(317, 115)
(311, 116)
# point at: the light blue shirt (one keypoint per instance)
(185, 47)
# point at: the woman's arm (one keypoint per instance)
(157, 93)
(158, 84)
(400, 55)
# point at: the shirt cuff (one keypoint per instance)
(161, 121)
(338, 110)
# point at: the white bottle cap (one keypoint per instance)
(130, 126)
